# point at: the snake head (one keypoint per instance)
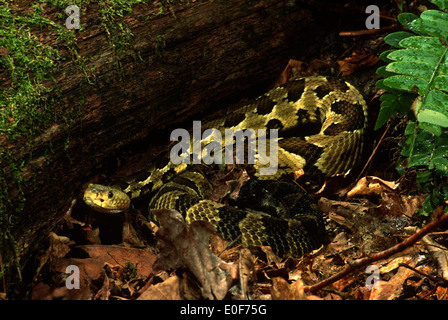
(106, 199)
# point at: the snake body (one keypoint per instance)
(321, 127)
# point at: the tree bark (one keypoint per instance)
(185, 63)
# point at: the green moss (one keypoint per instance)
(120, 36)
(28, 64)
(25, 103)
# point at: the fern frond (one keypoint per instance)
(417, 75)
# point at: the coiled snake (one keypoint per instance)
(321, 127)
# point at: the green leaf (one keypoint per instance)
(406, 20)
(407, 83)
(418, 160)
(383, 56)
(393, 102)
(394, 39)
(415, 55)
(386, 111)
(431, 128)
(382, 71)
(410, 128)
(426, 27)
(441, 152)
(418, 69)
(441, 82)
(437, 101)
(428, 206)
(424, 176)
(436, 20)
(424, 143)
(415, 69)
(433, 117)
(423, 43)
(442, 4)
(441, 165)
(406, 147)
(381, 85)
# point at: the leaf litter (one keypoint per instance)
(193, 262)
(367, 255)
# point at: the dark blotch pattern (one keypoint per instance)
(274, 124)
(355, 115)
(264, 105)
(309, 152)
(322, 91)
(305, 127)
(295, 89)
(233, 119)
(331, 85)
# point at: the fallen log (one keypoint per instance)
(122, 82)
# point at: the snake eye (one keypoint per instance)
(110, 195)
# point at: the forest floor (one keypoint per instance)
(378, 246)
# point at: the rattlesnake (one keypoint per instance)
(321, 127)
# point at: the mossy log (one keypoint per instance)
(186, 61)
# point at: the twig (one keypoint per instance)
(352, 266)
(434, 279)
(439, 233)
(382, 16)
(371, 156)
(366, 31)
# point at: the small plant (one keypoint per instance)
(416, 81)
(130, 270)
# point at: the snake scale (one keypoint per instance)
(321, 125)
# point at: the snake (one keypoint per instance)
(320, 126)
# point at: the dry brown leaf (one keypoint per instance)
(394, 264)
(58, 248)
(440, 253)
(339, 243)
(282, 290)
(356, 61)
(295, 69)
(371, 185)
(235, 185)
(342, 212)
(189, 247)
(130, 235)
(390, 204)
(410, 204)
(4, 51)
(285, 76)
(442, 293)
(389, 290)
(104, 292)
(114, 255)
(166, 290)
(272, 258)
(246, 267)
(90, 270)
